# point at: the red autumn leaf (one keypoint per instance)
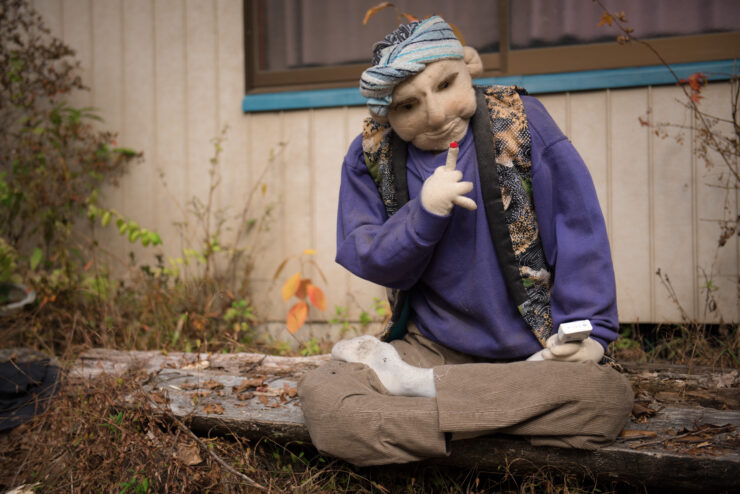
(317, 297)
(296, 316)
(695, 97)
(301, 292)
(697, 80)
(291, 286)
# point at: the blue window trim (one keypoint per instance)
(534, 84)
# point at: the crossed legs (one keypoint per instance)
(351, 414)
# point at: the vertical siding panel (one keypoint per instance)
(169, 77)
(139, 131)
(588, 132)
(556, 107)
(266, 157)
(77, 28)
(330, 135)
(233, 192)
(651, 208)
(51, 11)
(235, 165)
(297, 194)
(201, 101)
(107, 79)
(673, 206)
(631, 228)
(720, 264)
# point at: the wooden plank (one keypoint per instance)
(682, 447)
(674, 206)
(139, 131)
(201, 101)
(76, 26)
(52, 13)
(631, 228)
(170, 111)
(266, 160)
(107, 96)
(719, 264)
(235, 158)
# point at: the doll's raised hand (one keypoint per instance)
(444, 188)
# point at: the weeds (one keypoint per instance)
(85, 442)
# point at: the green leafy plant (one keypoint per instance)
(54, 158)
(8, 263)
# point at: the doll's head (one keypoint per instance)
(421, 83)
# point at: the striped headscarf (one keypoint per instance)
(404, 53)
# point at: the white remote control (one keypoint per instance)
(574, 331)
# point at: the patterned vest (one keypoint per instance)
(504, 149)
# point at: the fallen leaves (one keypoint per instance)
(212, 385)
(189, 454)
(214, 408)
(629, 434)
(641, 411)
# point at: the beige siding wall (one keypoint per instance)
(167, 75)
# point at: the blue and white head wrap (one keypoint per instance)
(404, 53)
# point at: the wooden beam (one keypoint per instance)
(673, 442)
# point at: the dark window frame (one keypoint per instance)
(507, 62)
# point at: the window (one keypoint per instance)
(312, 44)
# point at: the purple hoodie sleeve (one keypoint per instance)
(572, 229)
(392, 253)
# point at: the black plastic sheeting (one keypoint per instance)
(27, 385)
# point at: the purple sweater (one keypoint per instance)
(459, 296)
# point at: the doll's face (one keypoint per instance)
(433, 108)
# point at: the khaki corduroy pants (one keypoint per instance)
(350, 414)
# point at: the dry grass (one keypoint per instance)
(85, 442)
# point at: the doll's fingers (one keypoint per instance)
(463, 187)
(565, 349)
(465, 202)
(546, 354)
(452, 153)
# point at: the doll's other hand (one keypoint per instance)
(444, 188)
(582, 351)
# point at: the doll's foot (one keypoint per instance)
(397, 376)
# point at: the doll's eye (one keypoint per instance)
(405, 106)
(447, 82)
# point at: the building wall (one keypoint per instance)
(168, 75)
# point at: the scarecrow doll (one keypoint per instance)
(479, 216)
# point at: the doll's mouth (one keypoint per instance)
(441, 132)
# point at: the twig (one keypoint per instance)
(180, 425)
(628, 36)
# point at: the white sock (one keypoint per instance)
(397, 376)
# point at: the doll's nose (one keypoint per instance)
(435, 114)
